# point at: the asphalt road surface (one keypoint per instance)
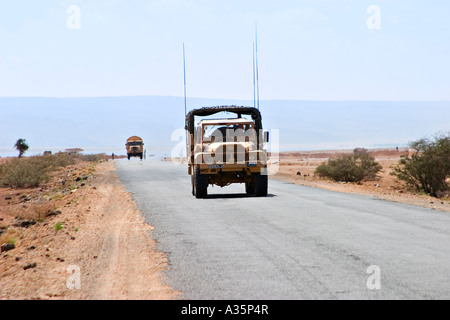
(297, 243)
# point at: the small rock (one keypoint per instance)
(31, 248)
(60, 259)
(72, 238)
(29, 266)
(18, 258)
(25, 223)
(54, 213)
(8, 198)
(7, 247)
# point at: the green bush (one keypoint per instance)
(428, 169)
(58, 226)
(354, 167)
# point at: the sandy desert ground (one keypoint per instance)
(102, 238)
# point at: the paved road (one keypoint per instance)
(298, 243)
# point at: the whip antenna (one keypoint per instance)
(185, 104)
(256, 60)
(184, 72)
(254, 92)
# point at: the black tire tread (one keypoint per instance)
(201, 184)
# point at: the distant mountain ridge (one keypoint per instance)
(103, 124)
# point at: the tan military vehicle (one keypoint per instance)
(135, 147)
(227, 150)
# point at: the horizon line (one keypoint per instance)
(208, 98)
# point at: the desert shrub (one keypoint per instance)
(90, 157)
(22, 173)
(32, 171)
(58, 160)
(428, 168)
(354, 167)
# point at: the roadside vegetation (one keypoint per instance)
(31, 172)
(356, 167)
(428, 168)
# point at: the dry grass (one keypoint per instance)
(33, 171)
(11, 235)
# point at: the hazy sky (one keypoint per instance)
(307, 49)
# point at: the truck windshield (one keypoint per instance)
(135, 143)
(219, 132)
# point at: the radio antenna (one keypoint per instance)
(256, 61)
(185, 104)
(184, 73)
(254, 90)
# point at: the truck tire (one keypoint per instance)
(250, 186)
(201, 184)
(128, 155)
(140, 155)
(261, 185)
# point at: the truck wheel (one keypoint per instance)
(261, 185)
(250, 186)
(128, 156)
(201, 184)
(140, 155)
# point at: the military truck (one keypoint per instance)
(226, 150)
(135, 147)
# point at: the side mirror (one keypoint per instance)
(266, 136)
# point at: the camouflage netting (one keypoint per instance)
(207, 111)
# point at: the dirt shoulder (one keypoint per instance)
(298, 168)
(80, 239)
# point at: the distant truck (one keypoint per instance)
(135, 147)
(227, 150)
